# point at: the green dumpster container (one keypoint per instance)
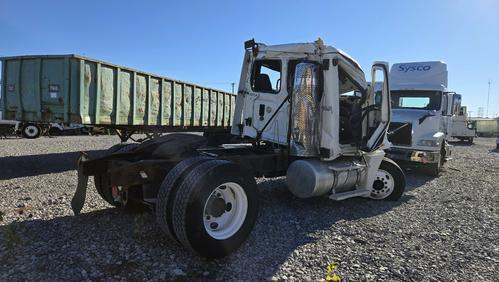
(76, 89)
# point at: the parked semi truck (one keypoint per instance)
(460, 126)
(295, 115)
(422, 108)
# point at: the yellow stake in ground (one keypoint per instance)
(331, 272)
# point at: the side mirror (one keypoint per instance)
(380, 83)
(446, 106)
(379, 121)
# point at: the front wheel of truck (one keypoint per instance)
(215, 208)
(389, 182)
(433, 169)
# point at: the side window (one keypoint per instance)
(445, 105)
(456, 105)
(266, 76)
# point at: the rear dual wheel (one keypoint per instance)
(209, 206)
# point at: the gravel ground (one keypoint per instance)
(443, 228)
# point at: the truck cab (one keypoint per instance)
(422, 108)
(340, 92)
(461, 127)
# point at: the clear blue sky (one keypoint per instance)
(202, 41)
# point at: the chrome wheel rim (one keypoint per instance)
(225, 210)
(31, 130)
(383, 185)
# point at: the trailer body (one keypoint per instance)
(73, 89)
(486, 127)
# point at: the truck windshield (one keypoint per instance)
(412, 99)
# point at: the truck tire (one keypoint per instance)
(31, 131)
(470, 141)
(167, 192)
(389, 184)
(433, 169)
(215, 208)
(101, 181)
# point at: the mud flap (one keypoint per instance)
(81, 189)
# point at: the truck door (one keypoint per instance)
(267, 94)
(378, 110)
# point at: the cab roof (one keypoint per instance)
(348, 64)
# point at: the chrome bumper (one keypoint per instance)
(424, 157)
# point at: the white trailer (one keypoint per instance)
(422, 108)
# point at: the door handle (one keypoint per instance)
(261, 111)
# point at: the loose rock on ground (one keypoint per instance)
(444, 228)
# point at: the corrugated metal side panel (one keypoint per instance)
(205, 107)
(3, 91)
(167, 102)
(88, 92)
(226, 109)
(188, 111)
(74, 91)
(154, 102)
(125, 97)
(107, 95)
(232, 108)
(11, 96)
(54, 88)
(140, 99)
(178, 109)
(198, 106)
(30, 88)
(213, 107)
(220, 109)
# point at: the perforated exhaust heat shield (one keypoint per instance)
(304, 139)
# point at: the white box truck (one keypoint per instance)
(422, 108)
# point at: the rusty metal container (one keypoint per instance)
(76, 89)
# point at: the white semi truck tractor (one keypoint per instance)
(296, 115)
(422, 108)
(460, 126)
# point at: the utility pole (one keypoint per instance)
(235, 84)
(488, 96)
